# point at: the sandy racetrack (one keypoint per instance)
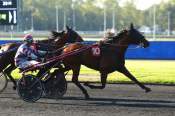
(114, 100)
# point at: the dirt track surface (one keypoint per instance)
(114, 100)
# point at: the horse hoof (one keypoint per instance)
(86, 84)
(87, 97)
(14, 87)
(147, 90)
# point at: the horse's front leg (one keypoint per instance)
(103, 82)
(75, 75)
(8, 71)
(125, 71)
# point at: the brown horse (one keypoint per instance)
(57, 40)
(7, 54)
(112, 58)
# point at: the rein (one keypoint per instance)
(120, 45)
(59, 49)
(59, 57)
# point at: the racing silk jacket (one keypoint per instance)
(27, 53)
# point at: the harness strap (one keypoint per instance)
(62, 56)
(120, 45)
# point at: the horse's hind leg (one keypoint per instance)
(75, 75)
(130, 76)
(8, 71)
(103, 82)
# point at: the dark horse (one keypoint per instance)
(112, 58)
(55, 41)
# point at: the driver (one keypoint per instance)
(27, 54)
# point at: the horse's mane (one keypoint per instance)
(121, 33)
(54, 34)
(117, 37)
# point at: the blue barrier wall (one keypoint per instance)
(157, 50)
(7, 41)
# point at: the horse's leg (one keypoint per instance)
(75, 75)
(103, 82)
(125, 71)
(8, 71)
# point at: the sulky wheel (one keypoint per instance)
(29, 88)
(61, 86)
(3, 81)
(56, 86)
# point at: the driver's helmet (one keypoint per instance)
(28, 38)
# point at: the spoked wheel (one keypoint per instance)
(29, 88)
(3, 81)
(56, 86)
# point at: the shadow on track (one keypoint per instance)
(100, 102)
(77, 101)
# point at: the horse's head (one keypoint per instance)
(68, 36)
(72, 36)
(58, 38)
(131, 36)
(56, 35)
(135, 37)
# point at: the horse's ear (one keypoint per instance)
(54, 33)
(62, 32)
(131, 26)
(67, 27)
